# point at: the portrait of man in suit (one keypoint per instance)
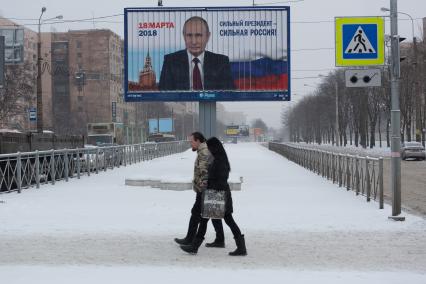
(195, 68)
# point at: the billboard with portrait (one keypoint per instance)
(196, 54)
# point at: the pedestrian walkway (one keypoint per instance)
(296, 223)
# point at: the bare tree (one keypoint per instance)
(18, 91)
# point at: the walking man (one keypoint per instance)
(198, 143)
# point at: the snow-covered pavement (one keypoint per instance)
(299, 227)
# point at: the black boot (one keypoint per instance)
(192, 230)
(241, 246)
(219, 242)
(216, 244)
(193, 247)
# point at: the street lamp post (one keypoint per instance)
(415, 71)
(395, 115)
(39, 86)
(39, 89)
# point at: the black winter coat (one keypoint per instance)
(218, 180)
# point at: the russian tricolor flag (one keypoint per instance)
(260, 74)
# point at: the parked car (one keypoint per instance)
(413, 150)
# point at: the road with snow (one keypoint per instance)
(298, 226)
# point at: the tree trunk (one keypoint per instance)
(373, 133)
(387, 133)
(380, 130)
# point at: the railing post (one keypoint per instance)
(37, 168)
(19, 172)
(113, 156)
(356, 176)
(78, 164)
(66, 167)
(52, 166)
(125, 155)
(97, 160)
(340, 176)
(367, 178)
(88, 162)
(348, 174)
(105, 150)
(381, 199)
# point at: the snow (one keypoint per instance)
(376, 151)
(129, 275)
(298, 226)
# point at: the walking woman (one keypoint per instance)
(218, 174)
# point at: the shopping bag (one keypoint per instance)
(213, 204)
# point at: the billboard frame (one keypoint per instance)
(212, 96)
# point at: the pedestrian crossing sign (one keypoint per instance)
(360, 41)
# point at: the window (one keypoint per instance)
(79, 44)
(80, 99)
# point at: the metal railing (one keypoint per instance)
(24, 170)
(364, 175)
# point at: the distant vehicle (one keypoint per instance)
(161, 137)
(109, 133)
(413, 150)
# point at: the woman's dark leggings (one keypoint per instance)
(229, 220)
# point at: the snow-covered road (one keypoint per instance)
(294, 221)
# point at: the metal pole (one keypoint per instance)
(337, 114)
(39, 88)
(395, 114)
(207, 118)
(2, 71)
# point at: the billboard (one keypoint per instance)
(244, 130)
(166, 125)
(161, 125)
(232, 130)
(213, 54)
(237, 130)
(153, 125)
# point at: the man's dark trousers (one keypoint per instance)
(195, 220)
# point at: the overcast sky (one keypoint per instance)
(312, 27)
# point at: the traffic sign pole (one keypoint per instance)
(395, 116)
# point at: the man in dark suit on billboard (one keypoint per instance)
(194, 68)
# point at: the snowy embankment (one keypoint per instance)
(298, 227)
(375, 152)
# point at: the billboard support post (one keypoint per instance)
(207, 118)
(2, 61)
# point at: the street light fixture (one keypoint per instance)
(416, 83)
(39, 87)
